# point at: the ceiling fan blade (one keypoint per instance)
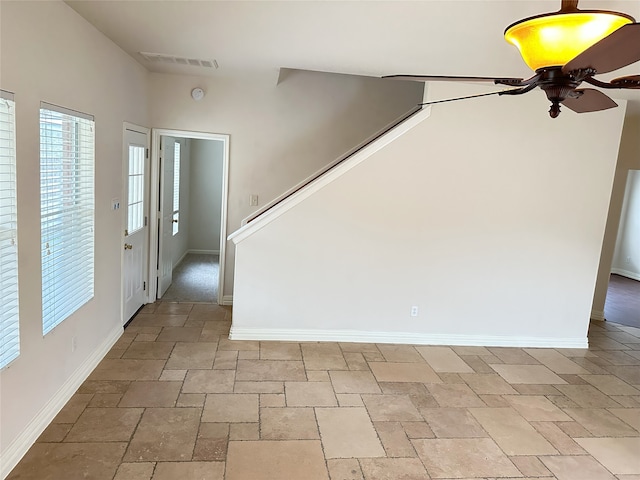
(615, 51)
(591, 100)
(443, 78)
(630, 81)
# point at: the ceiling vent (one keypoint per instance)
(172, 59)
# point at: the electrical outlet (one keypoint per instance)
(74, 343)
(414, 311)
(628, 260)
(253, 200)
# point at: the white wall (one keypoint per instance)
(50, 53)
(280, 133)
(181, 239)
(626, 259)
(488, 216)
(205, 194)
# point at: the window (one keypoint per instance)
(67, 212)
(176, 187)
(135, 197)
(9, 323)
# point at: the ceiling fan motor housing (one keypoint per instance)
(557, 86)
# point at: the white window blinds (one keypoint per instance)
(9, 322)
(67, 212)
(176, 187)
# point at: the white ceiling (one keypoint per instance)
(452, 37)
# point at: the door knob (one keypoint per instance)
(128, 246)
(175, 221)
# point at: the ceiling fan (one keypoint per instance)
(564, 49)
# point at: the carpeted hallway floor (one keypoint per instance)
(195, 280)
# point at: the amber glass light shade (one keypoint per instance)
(554, 39)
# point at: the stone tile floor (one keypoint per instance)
(175, 399)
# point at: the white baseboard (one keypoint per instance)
(227, 300)
(300, 335)
(206, 252)
(597, 315)
(16, 449)
(626, 273)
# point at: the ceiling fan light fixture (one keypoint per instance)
(553, 39)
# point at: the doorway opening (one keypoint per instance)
(189, 172)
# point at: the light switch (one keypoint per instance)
(253, 200)
(115, 204)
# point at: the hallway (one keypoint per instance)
(623, 301)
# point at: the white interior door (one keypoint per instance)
(136, 234)
(165, 250)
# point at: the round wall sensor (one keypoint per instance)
(197, 94)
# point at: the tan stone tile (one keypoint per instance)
(173, 375)
(587, 396)
(55, 432)
(149, 350)
(561, 401)
(555, 361)
(349, 400)
(115, 353)
(103, 386)
(323, 356)
(618, 455)
(530, 466)
(223, 407)
(310, 394)
(125, 369)
(559, 439)
(477, 364)
(209, 312)
(179, 334)
(156, 320)
(148, 308)
(450, 377)
(73, 408)
(259, 387)
(628, 401)
(464, 457)
(192, 356)
(144, 330)
(54, 461)
(348, 433)
(611, 385)
(513, 356)
(393, 469)
(151, 394)
(475, 351)
(524, 389)
(191, 400)
(344, 469)
(488, 384)
(172, 308)
(135, 471)
(400, 353)
(354, 382)
(318, 376)
(359, 347)
(188, 470)
(209, 381)
(272, 460)
(592, 367)
(618, 358)
(601, 422)
(455, 396)
(272, 400)
(573, 379)
(225, 360)
(512, 432)
(573, 429)
(373, 356)
(240, 345)
(626, 373)
(532, 374)
(355, 361)
(214, 430)
(164, 434)
(215, 329)
(417, 430)
(288, 424)
(105, 400)
(210, 449)
(404, 372)
(391, 408)
(452, 423)
(261, 370)
(536, 408)
(494, 400)
(125, 340)
(394, 439)
(280, 351)
(244, 431)
(629, 415)
(576, 468)
(444, 359)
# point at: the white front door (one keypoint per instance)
(136, 234)
(165, 260)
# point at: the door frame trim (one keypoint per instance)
(154, 214)
(127, 126)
